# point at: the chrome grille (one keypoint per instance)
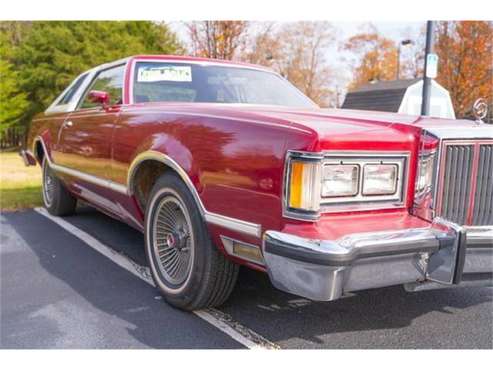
(465, 193)
(483, 197)
(456, 182)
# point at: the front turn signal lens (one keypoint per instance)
(304, 185)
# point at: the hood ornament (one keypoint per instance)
(480, 110)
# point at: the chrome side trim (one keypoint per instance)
(230, 223)
(234, 224)
(81, 175)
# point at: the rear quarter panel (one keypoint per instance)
(45, 126)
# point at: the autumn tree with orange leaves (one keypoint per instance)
(217, 39)
(298, 51)
(465, 64)
(465, 60)
(376, 57)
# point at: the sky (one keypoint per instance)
(394, 30)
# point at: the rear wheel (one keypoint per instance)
(186, 266)
(56, 198)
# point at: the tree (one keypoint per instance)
(376, 55)
(263, 47)
(12, 100)
(298, 52)
(304, 47)
(217, 39)
(412, 56)
(465, 67)
(51, 54)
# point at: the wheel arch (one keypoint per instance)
(149, 165)
(40, 150)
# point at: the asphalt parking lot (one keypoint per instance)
(57, 292)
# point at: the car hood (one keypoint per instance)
(343, 129)
(331, 129)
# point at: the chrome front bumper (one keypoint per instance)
(442, 255)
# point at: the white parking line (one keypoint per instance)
(220, 320)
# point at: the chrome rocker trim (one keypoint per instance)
(325, 270)
(78, 174)
(217, 219)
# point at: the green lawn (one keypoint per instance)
(20, 186)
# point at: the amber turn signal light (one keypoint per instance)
(304, 185)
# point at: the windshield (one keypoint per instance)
(180, 82)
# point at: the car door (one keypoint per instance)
(84, 140)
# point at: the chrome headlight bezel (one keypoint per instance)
(353, 202)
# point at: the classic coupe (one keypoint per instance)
(223, 164)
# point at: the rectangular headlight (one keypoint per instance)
(380, 179)
(304, 185)
(340, 180)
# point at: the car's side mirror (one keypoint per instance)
(99, 97)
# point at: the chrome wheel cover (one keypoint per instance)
(172, 240)
(48, 186)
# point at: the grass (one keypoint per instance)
(20, 186)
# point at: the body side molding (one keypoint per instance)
(230, 223)
(81, 175)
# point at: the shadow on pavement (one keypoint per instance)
(358, 317)
(39, 311)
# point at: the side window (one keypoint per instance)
(109, 80)
(69, 94)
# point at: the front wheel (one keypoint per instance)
(187, 268)
(56, 198)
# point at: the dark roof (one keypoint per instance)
(387, 85)
(384, 96)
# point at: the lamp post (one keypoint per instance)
(425, 102)
(402, 43)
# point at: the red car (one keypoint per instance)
(223, 164)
